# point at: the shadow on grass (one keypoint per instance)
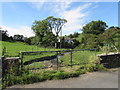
(40, 59)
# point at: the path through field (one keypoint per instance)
(90, 80)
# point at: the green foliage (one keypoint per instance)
(43, 34)
(29, 78)
(49, 40)
(38, 77)
(66, 44)
(5, 36)
(60, 75)
(110, 38)
(75, 43)
(89, 41)
(91, 34)
(75, 35)
(80, 36)
(100, 67)
(55, 23)
(18, 37)
(94, 27)
(28, 40)
(43, 31)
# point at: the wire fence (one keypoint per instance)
(36, 60)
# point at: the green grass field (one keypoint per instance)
(14, 48)
(35, 65)
(37, 55)
(79, 57)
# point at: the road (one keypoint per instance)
(89, 80)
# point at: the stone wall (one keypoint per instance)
(110, 60)
(9, 63)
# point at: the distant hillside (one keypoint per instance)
(14, 48)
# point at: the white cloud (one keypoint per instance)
(75, 18)
(59, 7)
(23, 30)
(37, 5)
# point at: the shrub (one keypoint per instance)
(60, 75)
(27, 78)
(74, 74)
(100, 67)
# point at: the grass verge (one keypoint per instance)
(29, 78)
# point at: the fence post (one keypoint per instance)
(2, 68)
(57, 60)
(71, 59)
(4, 51)
(21, 58)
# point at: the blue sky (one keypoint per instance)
(17, 17)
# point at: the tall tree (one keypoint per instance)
(95, 27)
(42, 28)
(55, 23)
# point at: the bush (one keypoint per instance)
(100, 67)
(28, 78)
(60, 75)
(74, 74)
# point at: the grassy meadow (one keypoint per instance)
(28, 77)
(79, 57)
(14, 48)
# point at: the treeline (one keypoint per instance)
(95, 34)
(6, 37)
(45, 37)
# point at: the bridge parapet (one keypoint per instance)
(111, 60)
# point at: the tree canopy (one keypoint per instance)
(55, 23)
(44, 30)
(111, 36)
(95, 27)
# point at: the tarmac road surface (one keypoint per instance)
(90, 80)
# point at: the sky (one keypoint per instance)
(18, 17)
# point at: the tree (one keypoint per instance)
(111, 37)
(18, 37)
(49, 40)
(28, 40)
(40, 29)
(4, 35)
(95, 27)
(55, 23)
(45, 27)
(76, 34)
(89, 41)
